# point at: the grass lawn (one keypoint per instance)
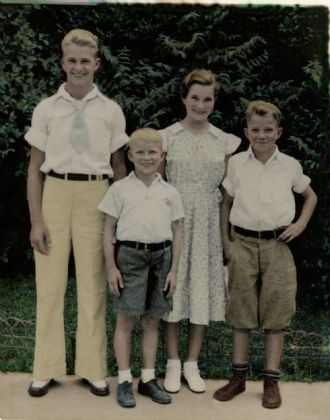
(306, 356)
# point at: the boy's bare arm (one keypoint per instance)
(295, 229)
(115, 279)
(118, 164)
(170, 282)
(39, 234)
(225, 208)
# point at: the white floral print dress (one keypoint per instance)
(195, 165)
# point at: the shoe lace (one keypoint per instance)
(127, 389)
(234, 382)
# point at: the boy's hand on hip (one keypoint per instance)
(291, 232)
(170, 285)
(115, 281)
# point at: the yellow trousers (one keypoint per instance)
(70, 212)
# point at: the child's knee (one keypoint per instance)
(124, 323)
(149, 322)
(273, 332)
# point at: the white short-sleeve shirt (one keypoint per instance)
(144, 213)
(263, 193)
(51, 124)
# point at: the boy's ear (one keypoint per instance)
(280, 131)
(129, 155)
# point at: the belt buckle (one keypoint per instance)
(98, 177)
(146, 247)
(259, 234)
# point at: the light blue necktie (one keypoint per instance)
(79, 131)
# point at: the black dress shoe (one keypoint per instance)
(39, 391)
(99, 391)
(125, 396)
(154, 391)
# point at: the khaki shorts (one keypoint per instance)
(262, 284)
(144, 274)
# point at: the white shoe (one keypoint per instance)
(172, 381)
(193, 378)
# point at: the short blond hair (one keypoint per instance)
(146, 135)
(82, 38)
(201, 77)
(263, 108)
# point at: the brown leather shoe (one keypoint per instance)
(235, 386)
(271, 397)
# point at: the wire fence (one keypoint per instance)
(306, 355)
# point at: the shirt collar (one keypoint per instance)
(276, 155)
(135, 178)
(63, 93)
(177, 127)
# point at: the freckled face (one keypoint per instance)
(199, 102)
(262, 131)
(80, 65)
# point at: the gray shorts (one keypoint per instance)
(144, 274)
(262, 284)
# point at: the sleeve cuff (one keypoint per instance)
(36, 138)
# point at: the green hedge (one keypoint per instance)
(271, 52)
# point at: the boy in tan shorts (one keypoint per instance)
(259, 204)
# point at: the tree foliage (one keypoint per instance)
(273, 53)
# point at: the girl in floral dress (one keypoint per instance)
(196, 158)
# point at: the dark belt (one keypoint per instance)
(78, 177)
(145, 246)
(263, 234)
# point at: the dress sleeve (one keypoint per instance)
(163, 133)
(232, 143)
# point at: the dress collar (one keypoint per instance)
(177, 127)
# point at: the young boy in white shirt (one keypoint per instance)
(143, 224)
(260, 205)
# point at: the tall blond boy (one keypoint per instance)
(74, 136)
